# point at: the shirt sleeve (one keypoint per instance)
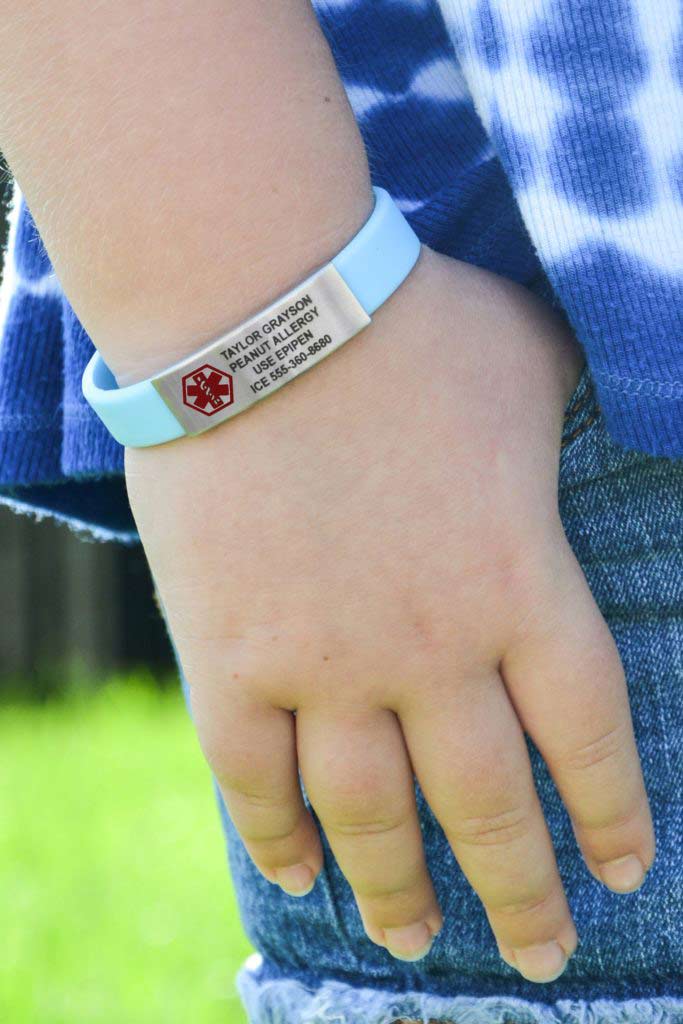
(583, 103)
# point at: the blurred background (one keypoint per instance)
(73, 609)
(115, 901)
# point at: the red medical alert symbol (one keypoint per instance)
(207, 390)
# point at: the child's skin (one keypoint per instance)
(378, 545)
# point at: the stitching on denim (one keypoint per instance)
(582, 427)
(577, 405)
(672, 390)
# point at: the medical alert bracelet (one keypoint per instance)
(271, 348)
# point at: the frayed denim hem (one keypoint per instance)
(288, 1001)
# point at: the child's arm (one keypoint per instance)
(184, 162)
(377, 546)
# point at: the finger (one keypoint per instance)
(251, 748)
(470, 757)
(358, 777)
(567, 683)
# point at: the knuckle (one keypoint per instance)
(363, 825)
(617, 821)
(606, 747)
(263, 818)
(231, 763)
(355, 796)
(266, 830)
(497, 829)
(266, 836)
(535, 903)
(394, 898)
(233, 771)
(259, 803)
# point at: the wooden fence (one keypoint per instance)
(70, 607)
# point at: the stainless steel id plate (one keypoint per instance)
(265, 352)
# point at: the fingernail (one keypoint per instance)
(296, 880)
(411, 942)
(625, 874)
(541, 963)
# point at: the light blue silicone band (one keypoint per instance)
(380, 257)
(137, 415)
(373, 265)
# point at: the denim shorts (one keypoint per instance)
(623, 514)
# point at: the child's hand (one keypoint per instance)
(378, 548)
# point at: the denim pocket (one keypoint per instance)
(587, 450)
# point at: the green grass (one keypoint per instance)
(115, 902)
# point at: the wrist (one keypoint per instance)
(266, 262)
(269, 349)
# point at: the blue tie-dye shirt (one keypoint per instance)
(542, 139)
